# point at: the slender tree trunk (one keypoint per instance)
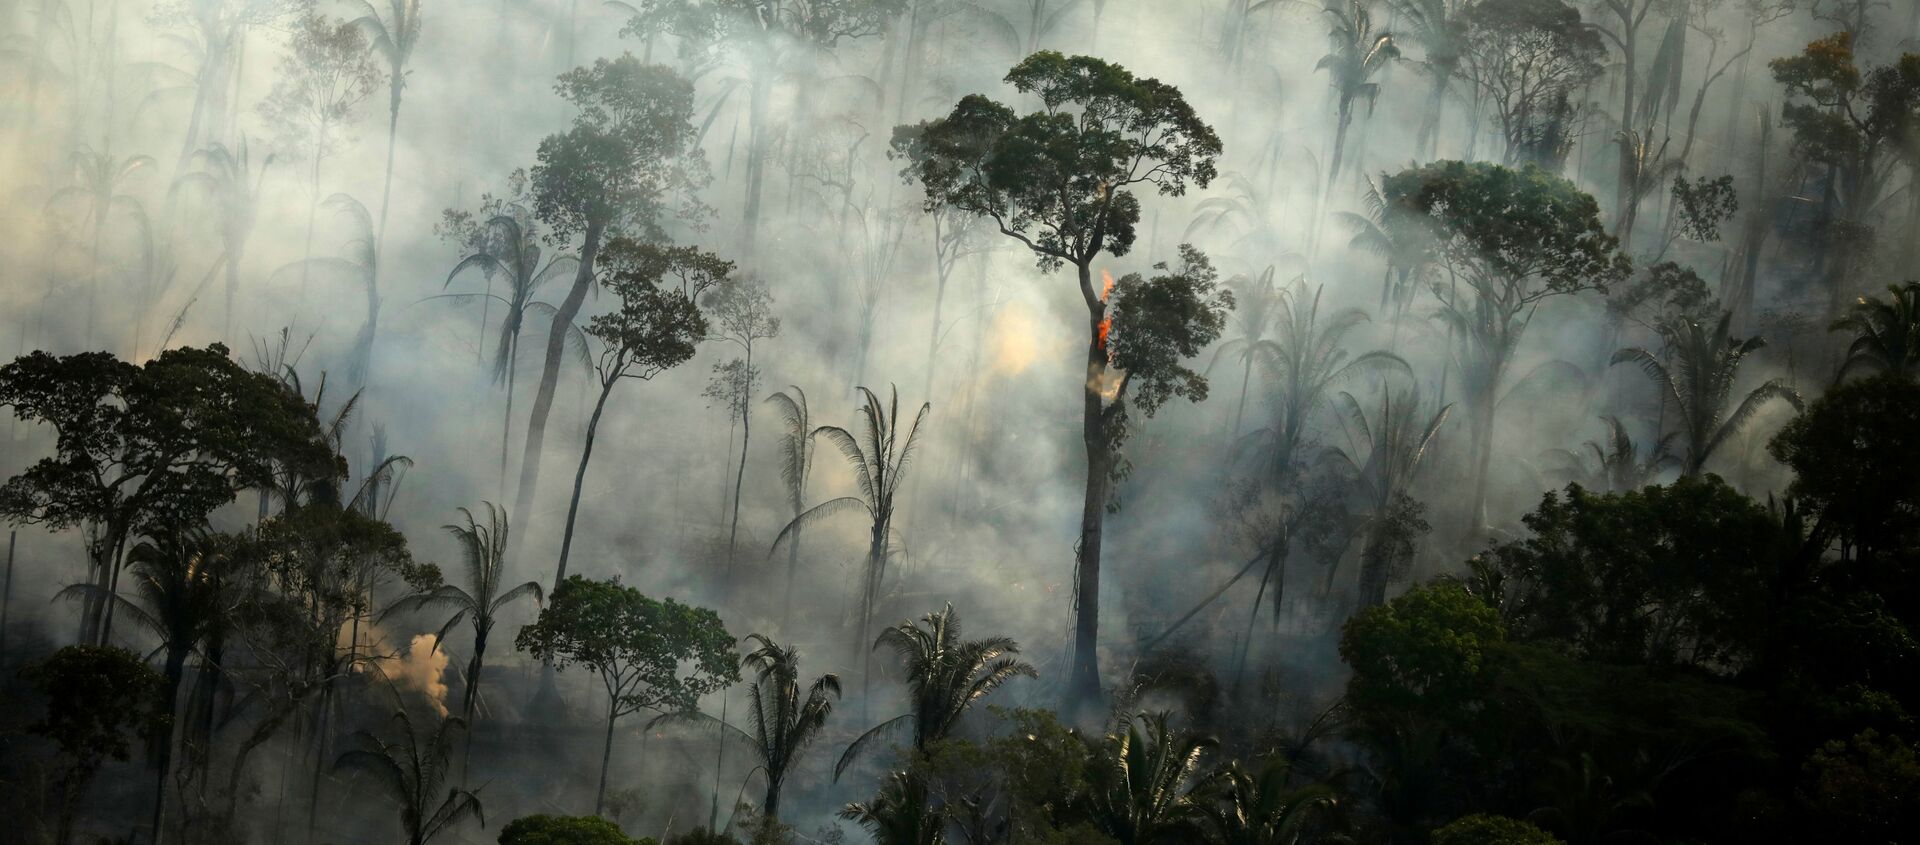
(1482, 455)
(506, 420)
(306, 248)
(1428, 141)
(606, 757)
(550, 376)
(1246, 376)
(1084, 683)
(758, 92)
(740, 474)
(579, 481)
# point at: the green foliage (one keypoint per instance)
(1864, 789)
(1699, 382)
(543, 829)
(1143, 782)
(1425, 649)
(1530, 58)
(1675, 573)
(901, 813)
(1515, 235)
(1664, 297)
(1483, 829)
(1886, 332)
(784, 723)
(1856, 462)
(657, 323)
(1702, 205)
(98, 699)
(1061, 180)
(946, 675)
(628, 157)
(1159, 323)
(636, 644)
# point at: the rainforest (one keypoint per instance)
(959, 422)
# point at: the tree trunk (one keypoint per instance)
(1482, 456)
(771, 807)
(473, 679)
(606, 757)
(1246, 376)
(1428, 141)
(758, 91)
(306, 248)
(550, 375)
(740, 475)
(175, 669)
(506, 420)
(579, 480)
(1084, 683)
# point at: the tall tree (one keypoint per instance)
(145, 447)
(742, 311)
(946, 675)
(1440, 30)
(1528, 59)
(393, 37)
(796, 464)
(1699, 382)
(784, 723)
(879, 458)
(483, 550)
(98, 177)
(767, 35)
(1508, 240)
(655, 327)
(1257, 302)
(231, 182)
(1849, 121)
(637, 645)
(1357, 54)
(179, 577)
(325, 76)
(1385, 455)
(503, 242)
(628, 158)
(98, 698)
(1309, 359)
(1061, 182)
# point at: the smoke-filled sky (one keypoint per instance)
(106, 90)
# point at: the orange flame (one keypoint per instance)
(1106, 325)
(1106, 279)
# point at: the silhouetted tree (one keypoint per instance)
(411, 771)
(1699, 382)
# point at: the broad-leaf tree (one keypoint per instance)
(1507, 241)
(1528, 61)
(1062, 182)
(742, 314)
(99, 698)
(649, 654)
(148, 447)
(629, 158)
(655, 326)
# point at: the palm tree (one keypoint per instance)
(507, 246)
(1617, 466)
(179, 578)
(945, 675)
(1700, 384)
(879, 459)
(784, 725)
(1309, 360)
(97, 179)
(393, 38)
(411, 772)
(796, 463)
(1384, 455)
(1886, 333)
(485, 549)
(228, 177)
(1142, 790)
(1259, 808)
(901, 814)
(1437, 26)
(1644, 169)
(1385, 231)
(1253, 315)
(357, 264)
(1358, 52)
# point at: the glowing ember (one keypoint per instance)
(1106, 326)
